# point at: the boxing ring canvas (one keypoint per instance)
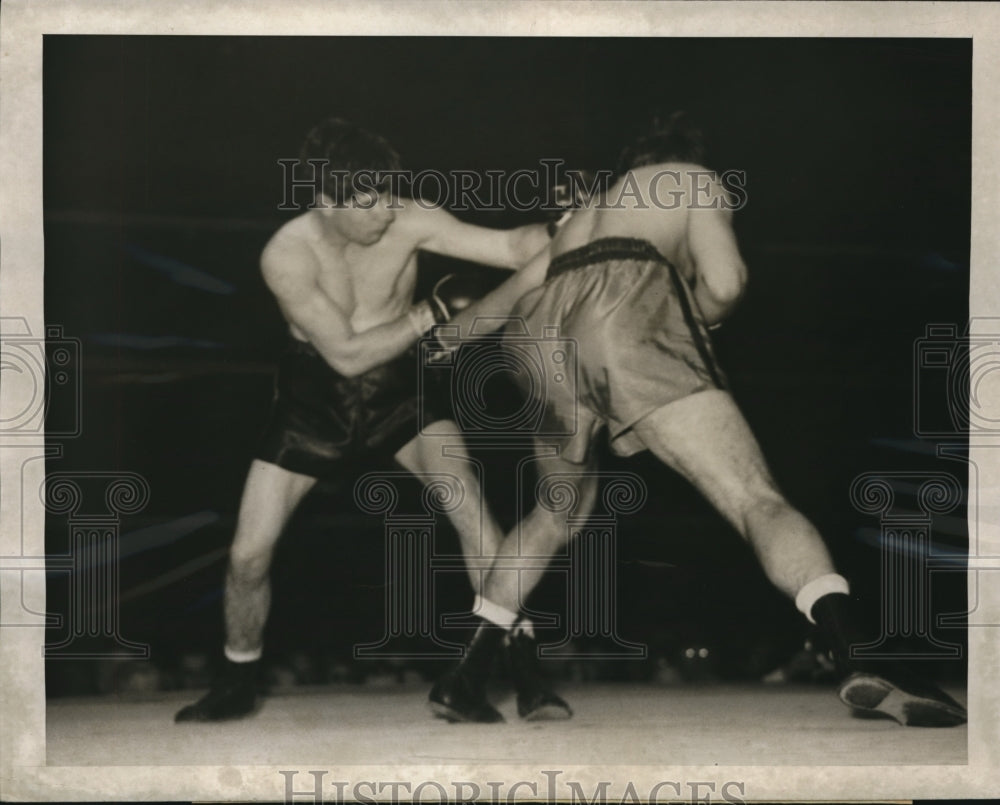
(142, 177)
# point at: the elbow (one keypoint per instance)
(347, 362)
(723, 300)
(349, 370)
(729, 292)
(719, 299)
(351, 367)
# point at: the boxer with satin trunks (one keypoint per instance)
(636, 279)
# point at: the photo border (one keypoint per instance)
(24, 774)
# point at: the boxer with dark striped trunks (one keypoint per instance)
(321, 419)
(636, 279)
(343, 274)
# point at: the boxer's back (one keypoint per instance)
(655, 203)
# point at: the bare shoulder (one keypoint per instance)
(288, 258)
(577, 230)
(686, 184)
(418, 221)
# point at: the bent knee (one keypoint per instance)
(249, 565)
(740, 495)
(765, 506)
(770, 503)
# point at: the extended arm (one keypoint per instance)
(442, 233)
(492, 310)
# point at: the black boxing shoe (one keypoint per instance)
(232, 695)
(895, 693)
(455, 697)
(460, 695)
(880, 688)
(536, 701)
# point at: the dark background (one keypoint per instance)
(161, 186)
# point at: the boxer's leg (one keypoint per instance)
(480, 536)
(441, 449)
(269, 499)
(524, 554)
(540, 535)
(706, 439)
(270, 496)
(527, 549)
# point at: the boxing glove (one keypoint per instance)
(452, 294)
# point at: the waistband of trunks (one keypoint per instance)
(603, 249)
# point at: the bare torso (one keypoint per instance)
(372, 284)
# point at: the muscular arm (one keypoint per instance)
(292, 274)
(441, 232)
(721, 274)
(492, 309)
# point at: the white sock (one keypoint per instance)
(494, 613)
(816, 589)
(242, 656)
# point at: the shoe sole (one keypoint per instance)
(549, 712)
(445, 712)
(205, 719)
(202, 718)
(868, 693)
(455, 717)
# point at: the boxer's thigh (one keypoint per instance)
(270, 496)
(559, 477)
(438, 447)
(706, 439)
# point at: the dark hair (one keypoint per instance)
(347, 147)
(674, 138)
